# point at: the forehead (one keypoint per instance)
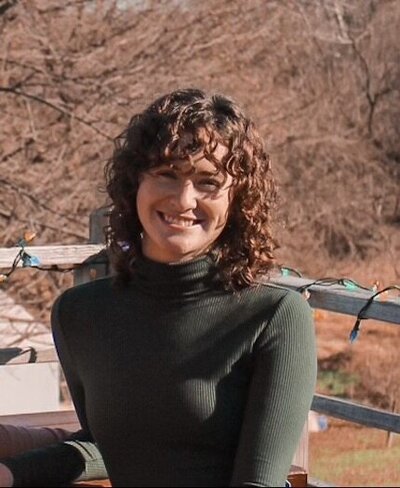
(199, 162)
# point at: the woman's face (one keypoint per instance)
(183, 208)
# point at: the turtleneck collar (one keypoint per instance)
(180, 281)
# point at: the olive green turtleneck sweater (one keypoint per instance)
(181, 383)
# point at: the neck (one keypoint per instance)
(187, 279)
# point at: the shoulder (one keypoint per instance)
(289, 325)
(86, 292)
(286, 308)
(273, 308)
(293, 306)
(82, 299)
(276, 297)
(292, 316)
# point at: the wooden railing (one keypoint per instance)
(339, 299)
(336, 298)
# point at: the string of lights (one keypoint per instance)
(22, 256)
(348, 284)
(286, 271)
(28, 260)
(361, 314)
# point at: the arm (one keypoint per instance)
(61, 463)
(280, 395)
(16, 439)
(82, 441)
(6, 476)
(52, 465)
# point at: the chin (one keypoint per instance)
(179, 254)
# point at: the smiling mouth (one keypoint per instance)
(178, 221)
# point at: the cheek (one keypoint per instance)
(142, 202)
(219, 212)
(224, 208)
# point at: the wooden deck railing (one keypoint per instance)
(336, 298)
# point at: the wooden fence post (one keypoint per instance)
(98, 265)
(298, 475)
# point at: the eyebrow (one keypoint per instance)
(191, 170)
(209, 173)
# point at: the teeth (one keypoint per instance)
(178, 220)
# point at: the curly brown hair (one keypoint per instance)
(153, 137)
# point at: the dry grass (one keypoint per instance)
(351, 455)
(367, 372)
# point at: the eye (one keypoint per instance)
(165, 173)
(210, 184)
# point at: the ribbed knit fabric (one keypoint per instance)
(94, 464)
(184, 384)
(54, 465)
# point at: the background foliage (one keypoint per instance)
(320, 77)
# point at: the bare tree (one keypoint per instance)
(320, 77)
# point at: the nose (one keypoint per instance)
(185, 197)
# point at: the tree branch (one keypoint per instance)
(18, 92)
(35, 199)
(6, 5)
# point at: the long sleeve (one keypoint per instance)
(187, 385)
(16, 440)
(279, 397)
(55, 465)
(59, 463)
(69, 367)
(83, 440)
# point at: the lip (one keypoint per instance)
(177, 225)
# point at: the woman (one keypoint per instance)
(185, 369)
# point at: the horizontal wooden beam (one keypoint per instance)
(51, 255)
(337, 298)
(359, 414)
(63, 419)
(334, 407)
